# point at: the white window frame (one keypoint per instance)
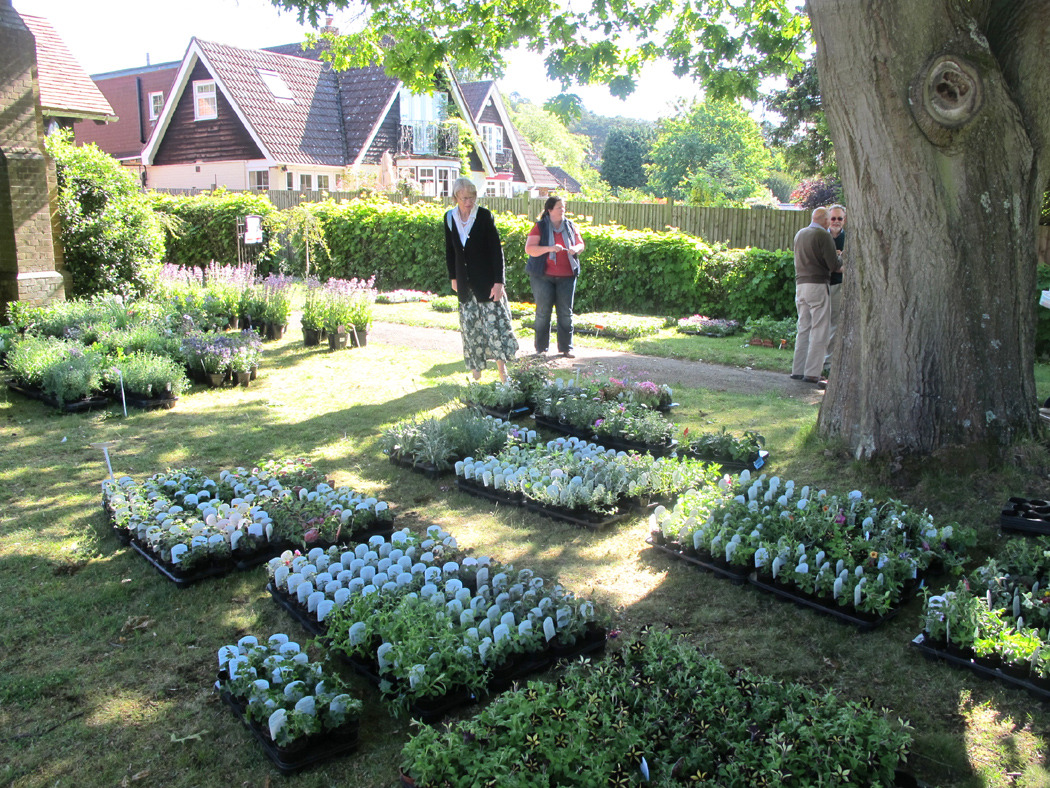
(155, 106)
(323, 187)
(259, 180)
(445, 177)
(289, 181)
(205, 100)
(492, 135)
(306, 182)
(492, 188)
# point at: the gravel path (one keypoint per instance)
(673, 372)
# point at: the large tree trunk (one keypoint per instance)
(940, 161)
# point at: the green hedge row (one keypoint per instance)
(623, 270)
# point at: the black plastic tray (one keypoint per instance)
(863, 623)
(313, 626)
(598, 523)
(507, 414)
(82, 406)
(480, 491)
(985, 671)
(735, 575)
(427, 469)
(183, 579)
(321, 748)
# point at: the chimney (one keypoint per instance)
(328, 27)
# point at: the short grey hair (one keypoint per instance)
(838, 207)
(464, 185)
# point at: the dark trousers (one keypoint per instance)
(553, 292)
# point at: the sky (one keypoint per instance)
(109, 35)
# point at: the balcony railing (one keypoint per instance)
(429, 139)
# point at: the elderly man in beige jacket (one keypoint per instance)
(815, 260)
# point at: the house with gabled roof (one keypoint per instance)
(280, 118)
(518, 168)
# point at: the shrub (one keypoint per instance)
(203, 228)
(760, 283)
(75, 375)
(816, 192)
(112, 242)
(30, 359)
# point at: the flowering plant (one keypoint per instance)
(403, 296)
(276, 293)
(709, 326)
(349, 303)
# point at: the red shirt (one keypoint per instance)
(561, 266)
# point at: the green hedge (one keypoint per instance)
(1042, 325)
(630, 271)
(203, 227)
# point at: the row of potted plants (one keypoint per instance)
(191, 526)
(66, 375)
(659, 713)
(299, 710)
(433, 444)
(833, 550)
(996, 619)
(581, 480)
(431, 627)
(213, 357)
(341, 309)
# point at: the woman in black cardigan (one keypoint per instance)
(474, 256)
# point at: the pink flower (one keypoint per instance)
(311, 535)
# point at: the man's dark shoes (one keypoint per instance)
(568, 354)
(797, 377)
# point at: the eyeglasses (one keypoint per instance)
(838, 218)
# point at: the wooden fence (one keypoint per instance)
(762, 228)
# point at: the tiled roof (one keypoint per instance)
(540, 174)
(364, 94)
(475, 93)
(565, 181)
(306, 130)
(65, 88)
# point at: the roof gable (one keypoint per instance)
(65, 88)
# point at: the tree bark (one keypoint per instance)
(940, 160)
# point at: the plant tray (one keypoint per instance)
(427, 712)
(183, 579)
(622, 444)
(565, 429)
(82, 406)
(734, 574)
(507, 414)
(1026, 515)
(318, 749)
(480, 491)
(311, 625)
(584, 518)
(864, 622)
(734, 466)
(427, 469)
(983, 667)
(145, 403)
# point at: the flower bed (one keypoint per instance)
(300, 713)
(582, 411)
(191, 527)
(432, 445)
(707, 326)
(995, 621)
(571, 478)
(430, 627)
(404, 296)
(502, 400)
(657, 712)
(609, 324)
(731, 452)
(846, 555)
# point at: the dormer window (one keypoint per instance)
(156, 105)
(277, 86)
(205, 102)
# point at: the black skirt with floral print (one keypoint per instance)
(487, 332)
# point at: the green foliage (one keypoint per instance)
(1042, 326)
(622, 158)
(761, 283)
(207, 229)
(555, 144)
(149, 376)
(111, 240)
(803, 134)
(711, 154)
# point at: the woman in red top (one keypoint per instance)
(553, 247)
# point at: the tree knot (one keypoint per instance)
(946, 95)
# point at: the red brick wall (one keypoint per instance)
(30, 264)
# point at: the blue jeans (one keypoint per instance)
(550, 292)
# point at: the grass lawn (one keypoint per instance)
(106, 669)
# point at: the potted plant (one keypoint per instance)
(148, 380)
(313, 317)
(244, 356)
(276, 291)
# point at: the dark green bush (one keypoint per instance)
(1042, 324)
(111, 240)
(760, 283)
(203, 228)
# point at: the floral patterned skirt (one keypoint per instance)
(487, 332)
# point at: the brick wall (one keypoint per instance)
(31, 266)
